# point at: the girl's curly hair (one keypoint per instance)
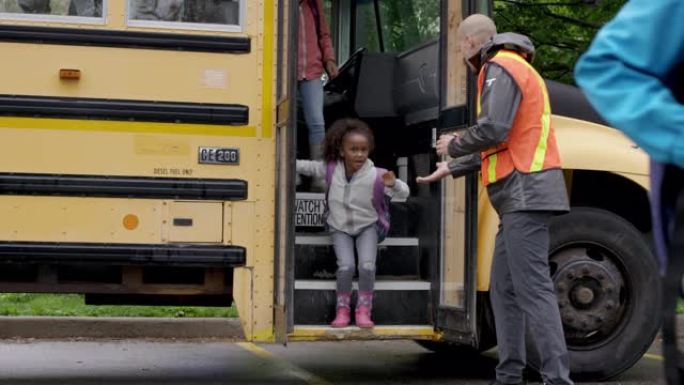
(338, 131)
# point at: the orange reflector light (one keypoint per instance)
(69, 74)
(130, 222)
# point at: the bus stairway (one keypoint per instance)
(402, 288)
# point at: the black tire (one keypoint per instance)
(605, 258)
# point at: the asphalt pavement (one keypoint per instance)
(41, 351)
(195, 362)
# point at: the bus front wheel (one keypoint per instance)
(608, 291)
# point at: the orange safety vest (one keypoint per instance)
(531, 144)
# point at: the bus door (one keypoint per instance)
(457, 263)
(285, 156)
(365, 89)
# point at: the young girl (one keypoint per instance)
(352, 215)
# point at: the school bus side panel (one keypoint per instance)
(135, 73)
(154, 148)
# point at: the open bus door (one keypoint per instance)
(285, 157)
(456, 297)
(425, 281)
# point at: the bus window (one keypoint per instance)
(187, 14)
(366, 27)
(408, 24)
(405, 25)
(51, 10)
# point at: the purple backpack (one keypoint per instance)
(381, 202)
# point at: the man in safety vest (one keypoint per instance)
(514, 144)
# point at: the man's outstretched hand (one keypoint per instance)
(441, 172)
(443, 142)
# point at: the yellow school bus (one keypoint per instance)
(147, 157)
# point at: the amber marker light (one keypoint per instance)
(131, 221)
(69, 74)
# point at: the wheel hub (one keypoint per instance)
(588, 291)
(583, 295)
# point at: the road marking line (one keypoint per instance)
(655, 357)
(291, 368)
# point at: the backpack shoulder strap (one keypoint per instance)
(329, 170)
(379, 190)
(381, 204)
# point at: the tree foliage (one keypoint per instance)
(560, 29)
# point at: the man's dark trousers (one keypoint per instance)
(522, 295)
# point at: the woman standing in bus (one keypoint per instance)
(357, 213)
(315, 55)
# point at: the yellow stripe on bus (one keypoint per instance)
(267, 78)
(121, 126)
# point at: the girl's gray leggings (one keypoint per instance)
(367, 247)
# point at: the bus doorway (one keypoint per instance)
(392, 82)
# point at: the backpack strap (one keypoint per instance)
(329, 170)
(379, 201)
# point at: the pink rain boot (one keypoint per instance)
(343, 315)
(363, 310)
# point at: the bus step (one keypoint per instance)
(395, 303)
(379, 332)
(325, 240)
(319, 262)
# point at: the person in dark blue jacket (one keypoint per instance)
(633, 73)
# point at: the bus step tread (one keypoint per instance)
(315, 262)
(317, 307)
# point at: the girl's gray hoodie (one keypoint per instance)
(350, 202)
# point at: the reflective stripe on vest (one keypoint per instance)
(545, 154)
(491, 154)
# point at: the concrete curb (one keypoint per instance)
(119, 327)
(136, 327)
